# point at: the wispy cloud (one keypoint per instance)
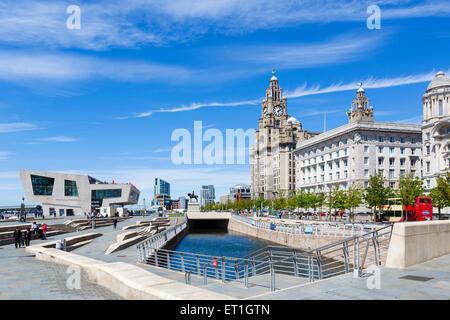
(16, 126)
(111, 23)
(4, 155)
(30, 66)
(302, 91)
(370, 82)
(191, 107)
(58, 139)
(305, 55)
(162, 150)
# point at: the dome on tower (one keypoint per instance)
(292, 119)
(439, 80)
(273, 78)
(360, 89)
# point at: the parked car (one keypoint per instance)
(322, 214)
(339, 213)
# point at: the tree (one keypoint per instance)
(441, 194)
(377, 193)
(355, 198)
(409, 188)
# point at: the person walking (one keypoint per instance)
(17, 236)
(27, 236)
(115, 223)
(44, 231)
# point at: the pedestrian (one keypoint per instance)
(35, 227)
(44, 231)
(27, 237)
(115, 223)
(17, 236)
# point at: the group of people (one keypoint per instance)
(93, 215)
(23, 239)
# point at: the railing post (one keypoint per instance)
(205, 279)
(295, 263)
(182, 263)
(198, 265)
(168, 260)
(319, 266)
(246, 274)
(223, 269)
(272, 276)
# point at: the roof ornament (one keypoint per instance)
(274, 71)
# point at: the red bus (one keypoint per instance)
(421, 210)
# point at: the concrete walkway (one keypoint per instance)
(24, 277)
(392, 287)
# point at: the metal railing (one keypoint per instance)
(148, 246)
(324, 228)
(343, 256)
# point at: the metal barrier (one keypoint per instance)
(321, 229)
(148, 246)
(343, 256)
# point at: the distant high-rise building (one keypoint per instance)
(183, 202)
(207, 195)
(161, 187)
(161, 193)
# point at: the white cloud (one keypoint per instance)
(29, 66)
(4, 156)
(59, 139)
(114, 23)
(16, 126)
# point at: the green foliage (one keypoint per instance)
(377, 193)
(410, 187)
(441, 194)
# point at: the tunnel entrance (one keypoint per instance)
(202, 224)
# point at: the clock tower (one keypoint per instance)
(271, 158)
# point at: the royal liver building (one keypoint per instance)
(271, 158)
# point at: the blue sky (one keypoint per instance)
(105, 99)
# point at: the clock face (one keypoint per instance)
(265, 112)
(278, 110)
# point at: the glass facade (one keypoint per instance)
(42, 186)
(70, 188)
(102, 194)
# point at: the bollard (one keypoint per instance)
(93, 224)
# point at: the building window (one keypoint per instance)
(428, 184)
(402, 140)
(402, 161)
(391, 161)
(366, 149)
(42, 186)
(380, 139)
(380, 149)
(391, 150)
(381, 172)
(392, 185)
(365, 138)
(413, 151)
(402, 150)
(366, 160)
(428, 150)
(402, 172)
(428, 166)
(441, 108)
(380, 161)
(366, 173)
(391, 139)
(391, 174)
(413, 162)
(70, 188)
(413, 140)
(428, 135)
(109, 193)
(346, 162)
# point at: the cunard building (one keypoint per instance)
(271, 158)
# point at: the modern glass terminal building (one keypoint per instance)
(74, 194)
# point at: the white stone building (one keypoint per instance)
(436, 129)
(271, 157)
(73, 194)
(207, 195)
(353, 152)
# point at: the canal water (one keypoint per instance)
(220, 243)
